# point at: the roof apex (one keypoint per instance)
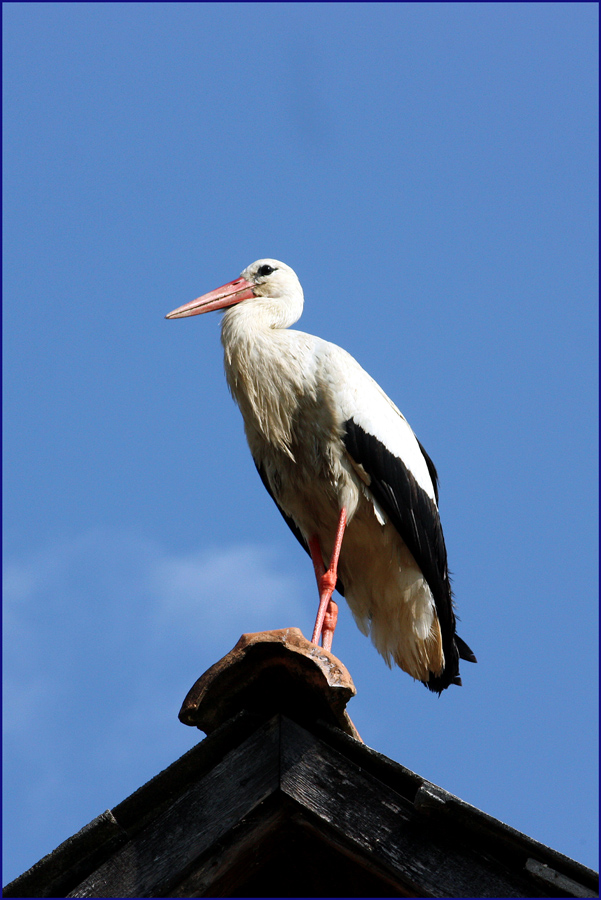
(269, 672)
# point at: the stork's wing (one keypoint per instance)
(415, 516)
(404, 482)
(413, 513)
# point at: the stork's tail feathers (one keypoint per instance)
(464, 651)
(450, 673)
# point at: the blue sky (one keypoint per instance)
(429, 170)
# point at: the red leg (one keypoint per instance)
(315, 551)
(327, 614)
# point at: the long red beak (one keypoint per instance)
(227, 295)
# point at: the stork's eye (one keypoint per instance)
(265, 270)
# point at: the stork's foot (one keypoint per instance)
(329, 625)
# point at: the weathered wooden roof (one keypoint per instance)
(283, 799)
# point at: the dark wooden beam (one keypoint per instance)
(284, 777)
(163, 853)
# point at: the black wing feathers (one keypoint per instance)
(415, 516)
(464, 650)
(413, 513)
(431, 470)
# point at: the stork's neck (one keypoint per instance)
(264, 376)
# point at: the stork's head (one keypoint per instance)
(267, 287)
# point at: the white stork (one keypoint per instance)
(345, 470)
